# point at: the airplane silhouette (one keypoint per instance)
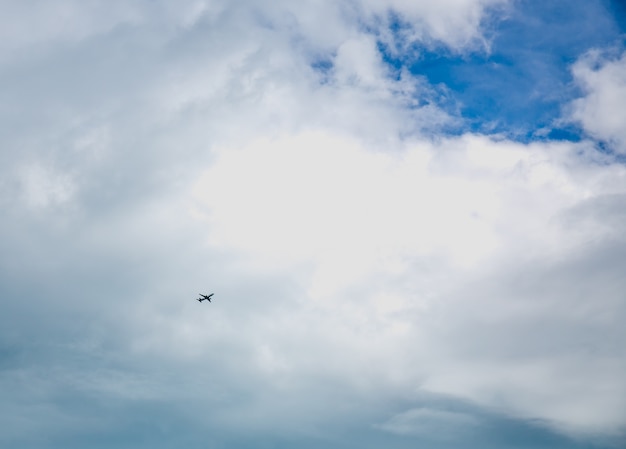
(203, 297)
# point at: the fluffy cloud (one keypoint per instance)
(361, 258)
(462, 243)
(600, 110)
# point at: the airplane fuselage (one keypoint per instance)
(204, 297)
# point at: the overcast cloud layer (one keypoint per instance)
(411, 214)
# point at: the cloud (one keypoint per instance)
(42, 187)
(423, 421)
(383, 231)
(361, 258)
(599, 111)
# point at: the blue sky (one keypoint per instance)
(411, 215)
(518, 82)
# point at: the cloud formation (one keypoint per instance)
(599, 110)
(382, 278)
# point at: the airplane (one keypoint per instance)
(203, 297)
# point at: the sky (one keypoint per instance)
(411, 214)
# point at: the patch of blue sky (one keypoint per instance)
(324, 68)
(519, 85)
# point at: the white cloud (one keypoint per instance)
(456, 23)
(441, 228)
(600, 111)
(43, 187)
(352, 257)
(359, 62)
(319, 193)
